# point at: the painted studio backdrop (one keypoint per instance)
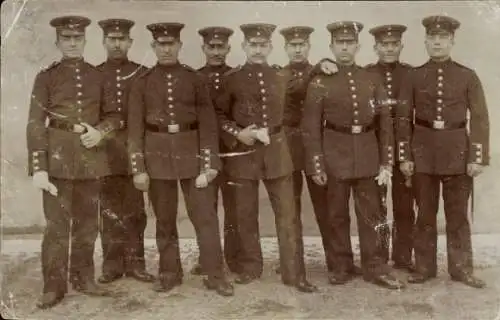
(28, 46)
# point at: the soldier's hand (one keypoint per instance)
(211, 174)
(41, 181)
(201, 181)
(141, 181)
(247, 135)
(262, 135)
(384, 176)
(92, 137)
(474, 169)
(407, 168)
(320, 179)
(328, 67)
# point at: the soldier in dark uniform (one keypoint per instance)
(300, 71)
(343, 152)
(67, 159)
(251, 110)
(435, 145)
(216, 48)
(173, 138)
(123, 216)
(388, 47)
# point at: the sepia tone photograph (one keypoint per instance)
(250, 160)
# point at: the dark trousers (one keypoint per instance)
(404, 220)
(369, 221)
(280, 192)
(123, 221)
(456, 192)
(201, 211)
(320, 207)
(231, 239)
(74, 211)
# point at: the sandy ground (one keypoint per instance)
(264, 299)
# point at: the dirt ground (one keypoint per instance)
(264, 299)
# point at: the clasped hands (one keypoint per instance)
(251, 133)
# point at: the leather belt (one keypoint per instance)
(275, 130)
(354, 129)
(172, 128)
(66, 126)
(440, 124)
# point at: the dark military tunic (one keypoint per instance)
(255, 94)
(67, 93)
(392, 75)
(432, 131)
(123, 214)
(339, 138)
(300, 75)
(214, 75)
(172, 137)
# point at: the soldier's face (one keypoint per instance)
(388, 51)
(344, 50)
(257, 51)
(297, 51)
(167, 52)
(71, 46)
(216, 53)
(117, 46)
(439, 44)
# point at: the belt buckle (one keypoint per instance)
(438, 124)
(356, 129)
(173, 128)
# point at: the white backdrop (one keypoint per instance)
(28, 45)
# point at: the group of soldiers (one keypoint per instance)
(100, 136)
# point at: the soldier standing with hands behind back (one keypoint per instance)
(67, 159)
(123, 215)
(343, 152)
(173, 138)
(436, 147)
(388, 47)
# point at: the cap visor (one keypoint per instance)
(165, 39)
(296, 41)
(216, 41)
(258, 39)
(70, 32)
(346, 36)
(116, 34)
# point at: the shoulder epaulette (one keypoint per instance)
(462, 66)
(232, 71)
(143, 71)
(50, 66)
(189, 68)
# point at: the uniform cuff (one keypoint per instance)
(388, 156)
(315, 165)
(209, 160)
(137, 164)
(404, 151)
(476, 153)
(38, 161)
(231, 128)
